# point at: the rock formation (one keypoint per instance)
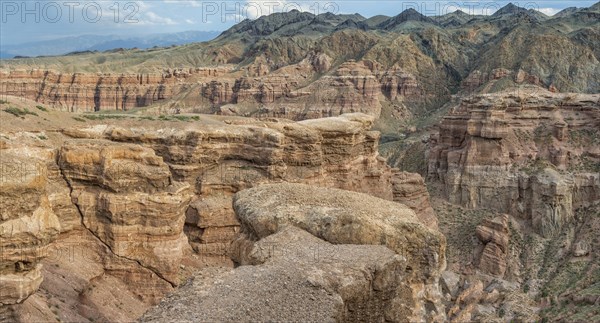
(531, 155)
(220, 160)
(287, 235)
(27, 222)
(494, 234)
(131, 200)
(410, 190)
(79, 92)
(300, 65)
(352, 87)
(115, 215)
(128, 200)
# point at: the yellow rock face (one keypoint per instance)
(128, 200)
(27, 222)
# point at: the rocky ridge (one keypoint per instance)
(520, 170)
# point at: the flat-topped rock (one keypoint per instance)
(344, 217)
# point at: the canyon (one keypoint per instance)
(298, 65)
(353, 87)
(145, 206)
(533, 155)
(146, 203)
(309, 167)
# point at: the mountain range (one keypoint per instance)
(66, 45)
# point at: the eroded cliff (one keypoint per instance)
(534, 155)
(338, 256)
(144, 204)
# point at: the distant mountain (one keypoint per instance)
(513, 10)
(82, 43)
(441, 52)
(509, 9)
(376, 20)
(406, 15)
(5, 55)
(456, 18)
(565, 12)
(267, 25)
(58, 46)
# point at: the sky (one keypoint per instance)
(24, 21)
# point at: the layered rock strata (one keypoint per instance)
(128, 200)
(219, 161)
(28, 224)
(79, 92)
(287, 92)
(328, 255)
(534, 155)
(138, 197)
(495, 235)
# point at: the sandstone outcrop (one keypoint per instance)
(79, 92)
(320, 254)
(128, 200)
(294, 281)
(531, 155)
(494, 234)
(28, 224)
(343, 217)
(351, 87)
(219, 160)
(410, 190)
(131, 198)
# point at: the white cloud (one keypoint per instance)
(549, 11)
(190, 21)
(188, 3)
(151, 18)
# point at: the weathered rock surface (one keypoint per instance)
(221, 159)
(531, 155)
(300, 65)
(78, 92)
(354, 87)
(410, 190)
(27, 222)
(344, 217)
(128, 200)
(298, 277)
(131, 198)
(292, 271)
(495, 235)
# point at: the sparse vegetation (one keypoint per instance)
(104, 116)
(41, 108)
(537, 166)
(185, 118)
(19, 112)
(584, 137)
(79, 119)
